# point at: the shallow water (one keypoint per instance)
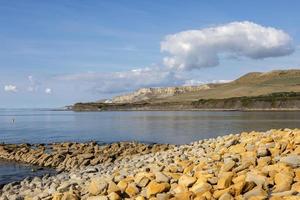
(178, 127)
(11, 171)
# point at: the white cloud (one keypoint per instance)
(10, 88)
(48, 91)
(194, 49)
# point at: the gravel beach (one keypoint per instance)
(254, 165)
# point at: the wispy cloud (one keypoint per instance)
(115, 82)
(33, 85)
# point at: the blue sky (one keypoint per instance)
(54, 53)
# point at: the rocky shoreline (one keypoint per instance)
(67, 156)
(255, 165)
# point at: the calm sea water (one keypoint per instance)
(45, 126)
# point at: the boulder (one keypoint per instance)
(224, 180)
(97, 186)
(161, 177)
(186, 180)
(291, 160)
(132, 190)
(154, 188)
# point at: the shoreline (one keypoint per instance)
(257, 165)
(195, 109)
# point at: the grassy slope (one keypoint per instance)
(252, 84)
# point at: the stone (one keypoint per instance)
(225, 179)
(140, 198)
(100, 197)
(57, 196)
(97, 186)
(114, 196)
(238, 149)
(228, 165)
(184, 196)
(112, 187)
(142, 179)
(186, 180)
(283, 182)
(291, 160)
(163, 196)
(257, 192)
(256, 178)
(161, 177)
(226, 196)
(69, 196)
(179, 188)
(262, 151)
(201, 187)
(132, 190)
(296, 187)
(154, 188)
(122, 185)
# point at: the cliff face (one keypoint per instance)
(151, 93)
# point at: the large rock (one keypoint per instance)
(186, 180)
(154, 188)
(132, 190)
(161, 177)
(283, 182)
(201, 187)
(256, 193)
(97, 186)
(291, 160)
(228, 165)
(224, 180)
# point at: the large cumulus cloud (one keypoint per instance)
(194, 49)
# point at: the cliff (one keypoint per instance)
(152, 93)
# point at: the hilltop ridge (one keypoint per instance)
(279, 89)
(250, 84)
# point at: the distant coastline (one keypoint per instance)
(277, 90)
(284, 101)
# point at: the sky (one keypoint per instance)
(57, 52)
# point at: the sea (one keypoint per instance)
(175, 127)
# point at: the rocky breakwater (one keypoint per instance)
(246, 166)
(68, 156)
